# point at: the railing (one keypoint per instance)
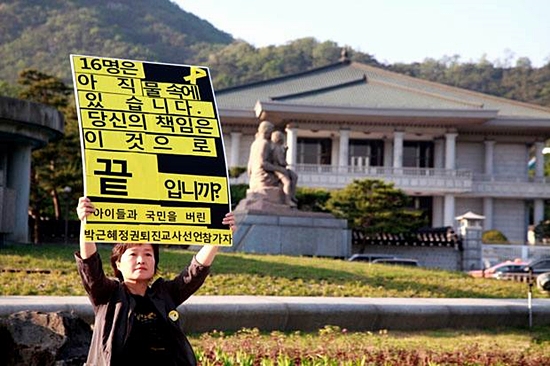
(379, 171)
(425, 180)
(511, 186)
(422, 180)
(502, 252)
(510, 178)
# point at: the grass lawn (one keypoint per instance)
(335, 346)
(50, 269)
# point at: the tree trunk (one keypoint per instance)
(55, 203)
(35, 214)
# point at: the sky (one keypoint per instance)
(500, 31)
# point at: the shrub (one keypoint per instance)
(312, 199)
(374, 206)
(238, 192)
(236, 171)
(494, 237)
(542, 231)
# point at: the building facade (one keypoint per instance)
(451, 149)
(24, 127)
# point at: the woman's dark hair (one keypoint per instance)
(120, 248)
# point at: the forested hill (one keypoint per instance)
(41, 34)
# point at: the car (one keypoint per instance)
(383, 259)
(369, 257)
(496, 271)
(397, 261)
(538, 266)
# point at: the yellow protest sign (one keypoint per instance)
(153, 155)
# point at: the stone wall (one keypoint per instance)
(506, 211)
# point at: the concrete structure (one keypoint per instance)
(24, 126)
(471, 226)
(451, 149)
(294, 233)
(267, 313)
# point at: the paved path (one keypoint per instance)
(206, 313)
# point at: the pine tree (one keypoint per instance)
(374, 206)
(57, 165)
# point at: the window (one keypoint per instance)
(314, 151)
(418, 154)
(366, 153)
(425, 205)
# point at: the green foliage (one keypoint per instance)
(494, 237)
(542, 231)
(236, 171)
(332, 345)
(43, 88)
(241, 63)
(58, 164)
(375, 206)
(41, 34)
(521, 82)
(238, 192)
(8, 90)
(312, 199)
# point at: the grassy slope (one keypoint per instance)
(246, 274)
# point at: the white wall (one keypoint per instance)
(509, 218)
(470, 155)
(244, 148)
(510, 160)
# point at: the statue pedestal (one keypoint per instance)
(290, 232)
(264, 199)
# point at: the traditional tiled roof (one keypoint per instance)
(351, 84)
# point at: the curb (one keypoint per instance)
(268, 313)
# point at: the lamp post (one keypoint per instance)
(66, 192)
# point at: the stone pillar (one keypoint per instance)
(19, 176)
(470, 226)
(398, 149)
(488, 213)
(388, 153)
(449, 210)
(450, 150)
(292, 143)
(343, 152)
(437, 211)
(439, 154)
(538, 214)
(235, 148)
(539, 163)
(489, 156)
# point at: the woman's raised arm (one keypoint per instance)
(84, 209)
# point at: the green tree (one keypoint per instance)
(7, 90)
(374, 206)
(58, 164)
(312, 199)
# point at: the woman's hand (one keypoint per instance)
(85, 208)
(229, 219)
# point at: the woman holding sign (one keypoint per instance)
(136, 322)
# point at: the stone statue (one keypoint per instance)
(264, 172)
(261, 170)
(268, 218)
(289, 178)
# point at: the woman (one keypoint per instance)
(136, 323)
